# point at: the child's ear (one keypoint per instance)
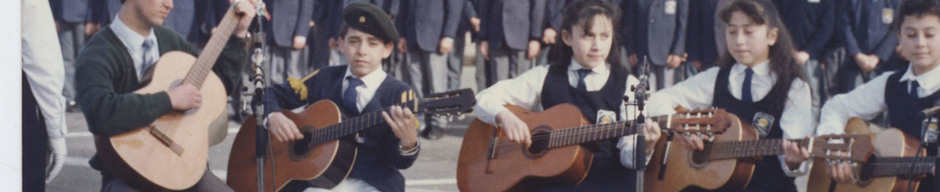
(566, 37)
(387, 51)
(772, 36)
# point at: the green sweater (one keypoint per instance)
(106, 79)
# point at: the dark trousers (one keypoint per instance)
(71, 40)
(35, 142)
(506, 63)
(209, 182)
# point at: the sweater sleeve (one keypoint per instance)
(107, 111)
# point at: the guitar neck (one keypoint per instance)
(749, 148)
(352, 125)
(597, 132)
(212, 50)
(899, 166)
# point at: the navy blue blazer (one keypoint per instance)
(102, 11)
(512, 21)
(811, 24)
(72, 11)
(185, 20)
(424, 22)
(864, 30)
(379, 157)
(700, 33)
(657, 28)
(289, 18)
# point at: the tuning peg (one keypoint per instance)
(461, 116)
(711, 137)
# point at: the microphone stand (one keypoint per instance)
(639, 150)
(262, 139)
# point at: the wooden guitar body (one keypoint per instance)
(887, 143)
(145, 160)
(681, 170)
(323, 165)
(508, 166)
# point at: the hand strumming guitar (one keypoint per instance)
(516, 130)
(282, 128)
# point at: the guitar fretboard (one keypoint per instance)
(897, 166)
(353, 125)
(213, 49)
(741, 149)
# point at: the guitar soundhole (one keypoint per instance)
(301, 148)
(539, 145)
(700, 158)
(865, 172)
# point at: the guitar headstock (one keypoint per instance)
(845, 147)
(449, 104)
(701, 122)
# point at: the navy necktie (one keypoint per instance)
(146, 59)
(746, 87)
(913, 91)
(350, 95)
(582, 73)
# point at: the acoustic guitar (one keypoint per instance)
(727, 162)
(888, 170)
(172, 152)
(489, 161)
(322, 159)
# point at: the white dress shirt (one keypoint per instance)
(370, 83)
(697, 93)
(42, 63)
(868, 100)
(526, 90)
(134, 43)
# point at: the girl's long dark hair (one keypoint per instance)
(583, 12)
(782, 62)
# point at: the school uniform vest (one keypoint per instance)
(606, 172)
(768, 174)
(375, 163)
(902, 112)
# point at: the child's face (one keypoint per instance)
(364, 52)
(920, 41)
(747, 41)
(591, 48)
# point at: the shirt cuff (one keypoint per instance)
(802, 170)
(410, 152)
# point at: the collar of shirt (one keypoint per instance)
(929, 83)
(133, 41)
(761, 69)
(371, 81)
(761, 83)
(594, 81)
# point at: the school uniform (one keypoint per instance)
(811, 23)
(508, 26)
(70, 16)
(700, 41)
(901, 93)
(103, 12)
(658, 30)
(379, 156)
(600, 98)
(722, 87)
(455, 57)
(866, 28)
(289, 19)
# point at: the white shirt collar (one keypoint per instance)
(131, 39)
(371, 80)
(761, 69)
(927, 81)
(574, 66)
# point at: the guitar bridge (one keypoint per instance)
(176, 148)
